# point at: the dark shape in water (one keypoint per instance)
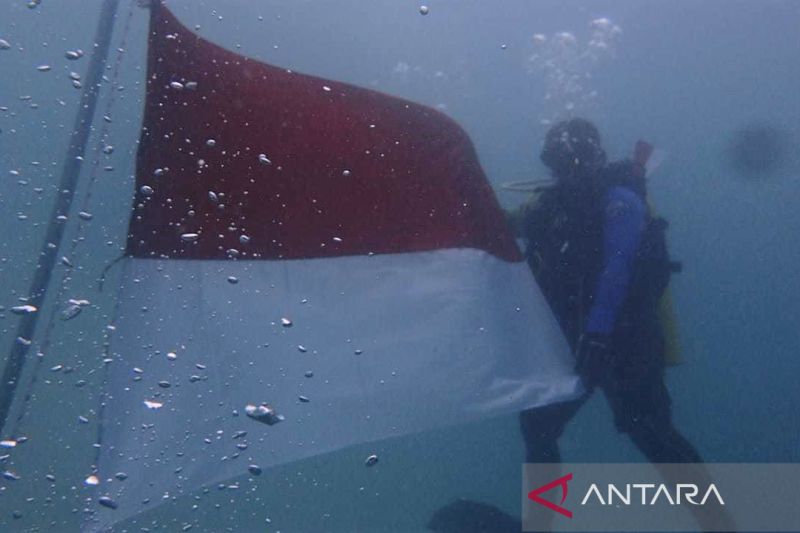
(757, 149)
(467, 516)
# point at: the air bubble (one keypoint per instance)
(24, 309)
(106, 501)
(71, 312)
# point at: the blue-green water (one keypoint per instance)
(686, 75)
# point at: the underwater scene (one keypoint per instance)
(329, 265)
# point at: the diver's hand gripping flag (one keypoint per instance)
(331, 251)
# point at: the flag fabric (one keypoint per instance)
(328, 250)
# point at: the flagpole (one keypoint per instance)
(70, 173)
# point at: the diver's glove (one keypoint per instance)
(593, 359)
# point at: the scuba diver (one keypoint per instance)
(601, 261)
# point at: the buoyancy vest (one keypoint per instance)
(564, 233)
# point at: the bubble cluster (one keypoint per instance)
(567, 64)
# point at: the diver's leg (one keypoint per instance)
(639, 397)
(541, 428)
(645, 415)
(643, 411)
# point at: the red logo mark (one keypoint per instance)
(534, 495)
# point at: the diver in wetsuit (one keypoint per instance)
(601, 262)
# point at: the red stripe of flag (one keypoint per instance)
(350, 171)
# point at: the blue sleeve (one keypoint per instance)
(622, 231)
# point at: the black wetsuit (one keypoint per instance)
(571, 243)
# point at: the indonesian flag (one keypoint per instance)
(326, 258)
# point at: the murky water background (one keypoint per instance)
(685, 75)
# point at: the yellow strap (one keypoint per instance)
(669, 328)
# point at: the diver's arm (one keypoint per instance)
(516, 220)
(521, 219)
(622, 231)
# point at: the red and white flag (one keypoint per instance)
(328, 250)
